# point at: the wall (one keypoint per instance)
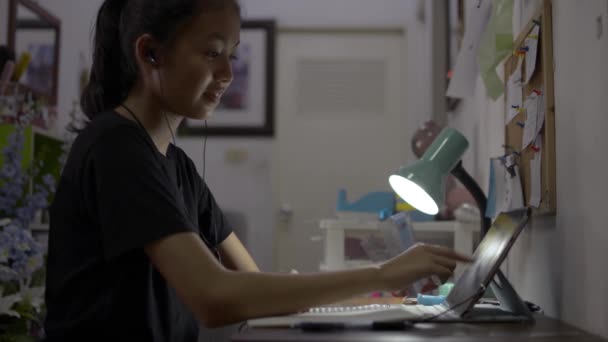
(559, 262)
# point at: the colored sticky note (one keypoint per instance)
(496, 44)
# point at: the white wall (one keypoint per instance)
(559, 262)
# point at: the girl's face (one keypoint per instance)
(196, 70)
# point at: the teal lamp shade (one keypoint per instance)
(422, 184)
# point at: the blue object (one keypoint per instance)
(381, 203)
(385, 214)
(430, 300)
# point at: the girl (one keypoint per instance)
(138, 246)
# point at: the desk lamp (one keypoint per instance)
(422, 183)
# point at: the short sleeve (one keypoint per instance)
(135, 200)
(212, 221)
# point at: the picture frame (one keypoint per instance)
(35, 30)
(247, 107)
(455, 33)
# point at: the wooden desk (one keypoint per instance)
(545, 329)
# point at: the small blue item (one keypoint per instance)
(430, 300)
(385, 214)
(381, 203)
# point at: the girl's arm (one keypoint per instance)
(218, 296)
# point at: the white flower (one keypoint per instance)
(35, 295)
(6, 303)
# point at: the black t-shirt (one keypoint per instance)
(117, 193)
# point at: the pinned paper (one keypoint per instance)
(495, 188)
(466, 68)
(535, 175)
(497, 43)
(505, 191)
(540, 114)
(531, 43)
(514, 196)
(514, 94)
(531, 108)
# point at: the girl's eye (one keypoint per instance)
(234, 57)
(212, 54)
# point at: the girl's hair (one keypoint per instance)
(119, 24)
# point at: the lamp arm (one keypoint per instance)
(471, 185)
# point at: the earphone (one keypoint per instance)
(151, 57)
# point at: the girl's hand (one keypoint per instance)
(418, 262)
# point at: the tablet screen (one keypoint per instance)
(488, 256)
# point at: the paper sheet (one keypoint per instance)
(496, 44)
(532, 44)
(491, 204)
(514, 196)
(495, 188)
(535, 177)
(540, 114)
(466, 68)
(517, 194)
(514, 94)
(505, 192)
(531, 107)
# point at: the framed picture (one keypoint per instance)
(455, 35)
(247, 106)
(35, 31)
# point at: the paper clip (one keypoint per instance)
(524, 48)
(520, 124)
(537, 92)
(536, 21)
(535, 148)
(515, 107)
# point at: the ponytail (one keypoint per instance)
(107, 84)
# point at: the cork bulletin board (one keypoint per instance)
(541, 82)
